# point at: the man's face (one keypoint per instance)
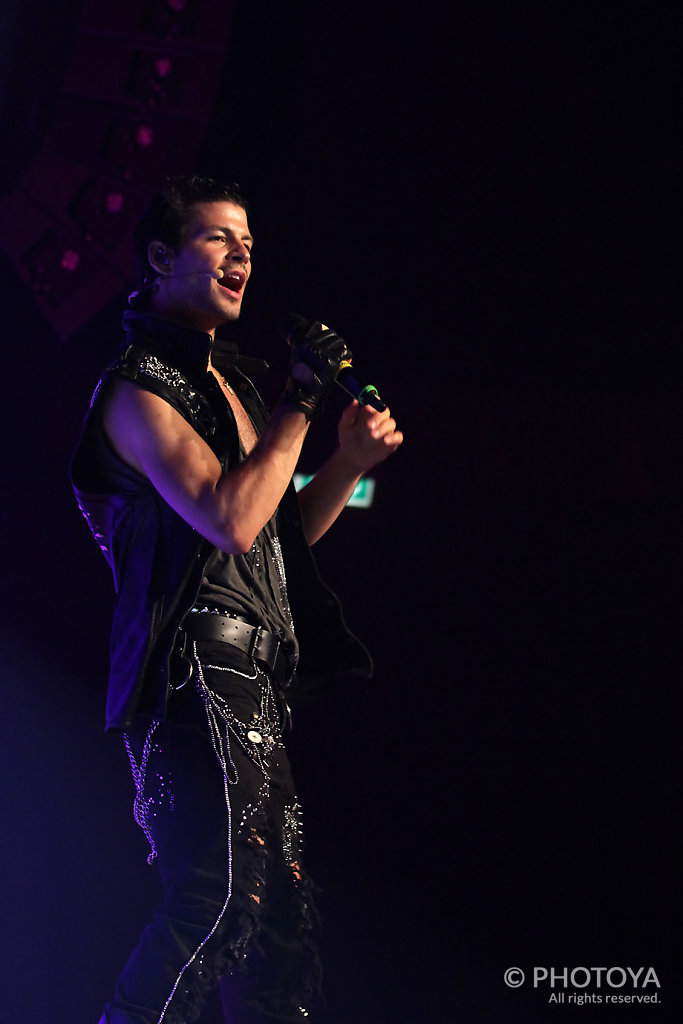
(216, 241)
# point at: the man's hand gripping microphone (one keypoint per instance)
(318, 354)
(319, 358)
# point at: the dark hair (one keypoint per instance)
(166, 215)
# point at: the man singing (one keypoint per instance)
(185, 481)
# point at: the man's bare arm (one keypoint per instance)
(366, 437)
(228, 509)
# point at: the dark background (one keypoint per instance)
(483, 201)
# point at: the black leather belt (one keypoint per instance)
(256, 642)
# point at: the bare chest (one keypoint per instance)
(245, 428)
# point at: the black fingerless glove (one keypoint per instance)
(317, 355)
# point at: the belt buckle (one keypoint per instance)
(261, 650)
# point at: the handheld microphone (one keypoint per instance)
(365, 394)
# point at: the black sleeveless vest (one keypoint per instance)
(156, 558)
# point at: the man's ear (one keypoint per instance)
(160, 257)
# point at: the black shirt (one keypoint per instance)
(252, 586)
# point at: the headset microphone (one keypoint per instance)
(215, 274)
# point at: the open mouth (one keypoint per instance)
(233, 281)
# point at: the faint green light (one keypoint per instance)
(362, 496)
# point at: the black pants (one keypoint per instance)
(215, 797)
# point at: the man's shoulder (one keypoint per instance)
(154, 373)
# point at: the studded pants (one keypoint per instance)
(215, 798)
